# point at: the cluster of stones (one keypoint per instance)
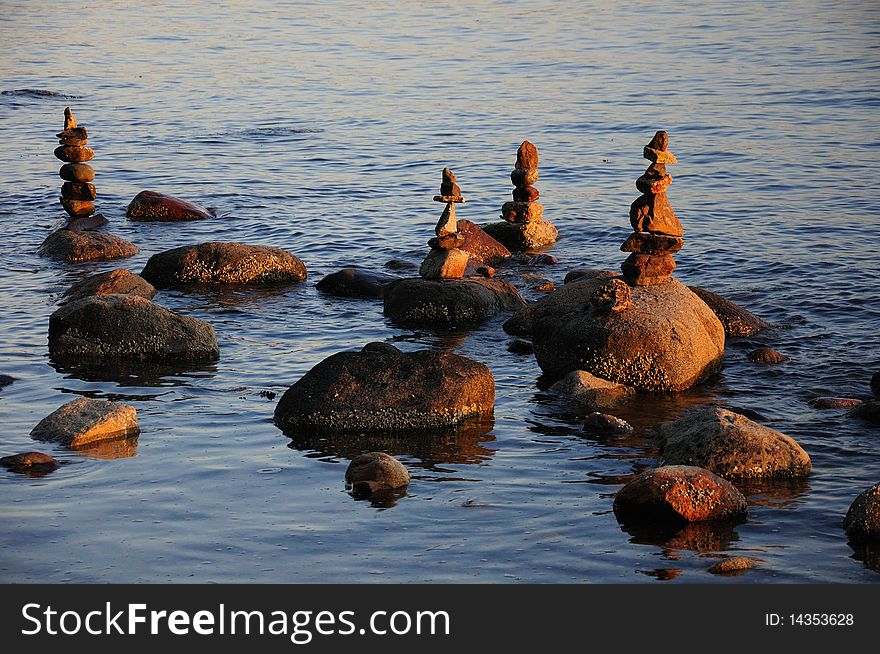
(446, 260)
(77, 193)
(657, 232)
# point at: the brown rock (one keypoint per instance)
(446, 199)
(78, 208)
(731, 445)
(524, 176)
(377, 472)
(834, 403)
(78, 191)
(485, 271)
(679, 494)
(384, 389)
(766, 355)
(655, 171)
(545, 287)
(355, 282)
(480, 245)
(218, 263)
(659, 156)
(522, 212)
(869, 411)
(450, 188)
(526, 156)
(660, 141)
(594, 392)
(73, 134)
(525, 194)
(89, 223)
(447, 223)
(605, 424)
(642, 243)
(732, 565)
(862, 521)
(400, 264)
(77, 172)
(69, 119)
(647, 269)
(653, 213)
(447, 242)
(74, 246)
(613, 296)
(84, 421)
(652, 185)
(736, 320)
(152, 206)
(587, 273)
(73, 141)
(74, 153)
(448, 177)
(27, 461)
(115, 282)
(444, 264)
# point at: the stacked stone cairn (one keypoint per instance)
(77, 193)
(658, 233)
(446, 260)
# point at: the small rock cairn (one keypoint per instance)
(77, 193)
(525, 207)
(657, 231)
(445, 260)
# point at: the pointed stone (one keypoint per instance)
(449, 176)
(444, 264)
(653, 213)
(660, 141)
(77, 172)
(69, 119)
(526, 156)
(447, 223)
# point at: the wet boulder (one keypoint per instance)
(732, 565)
(766, 355)
(381, 388)
(449, 303)
(115, 282)
(73, 246)
(679, 494)
(29, 462)
(736, 320)
(153, 206)
(604, 424)
(218, 263)
(85, 421)
(869, 411)
(731, 445)
(375, 472)
(518, 237)
(480, 245)
(862, 521)
(834, 402)
(128, 327)
(594, 392)
(355, 282)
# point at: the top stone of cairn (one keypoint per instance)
(526, 156)
(656, 150)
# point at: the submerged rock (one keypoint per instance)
(594, 392)
(29, 462)
(375, 472)
(869, 411)
(736, 320)
(862, 521)
(73, 246)
(128, 327)
(875, 385)
(480, 245)
(381, 388)
(88, 224)
(115, 282)
(834, 403)
(766, 355)
(731, 445)
(520, 346)
(84, 421)
(606, 424)
(449, 303)
(679, 494)
(354, 282)
(732, 565)
(153, 206)
(218, 263)
(6, 380)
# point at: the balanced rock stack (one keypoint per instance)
(658, 233)
(77, 193)
(446, 260)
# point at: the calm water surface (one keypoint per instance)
(322, 128)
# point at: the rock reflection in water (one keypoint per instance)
(121, 448)
(776, 493)
(869, 554)
(709, 536)
(137, 373)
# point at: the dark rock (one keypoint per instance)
(766, 355)
(518, 237)
(653, 213)
(613, 296)
(834, 403)
(85, 420)
(862, 521)
(152, 206)
(653, 186)
(522, 212)
(656, 171)
(30, 462)
(74, 153)
(76, 246)
(869, 411)
(128, 327)
(660, 140)
(399, 264)
(449, 188)
(605, 424)
(484, 271)
(545, 287)
(545, 259)
(679, 494)
(587, 273)
(77, 172)
(73, 134)
(736, 320)
(6, 380)
(526, 194)
(526, 156)
(652, 243)
(732, 565)
(524, 176)
(449, 303)
(78, 208)
(354, 282)
(448, 177)
(593, 392)
(217, 263)
(480, 245)
(375, 472)
(731, 445)
(78, 191)
(447, 242)
(389, 391)
(875, 384)
(115, 282)
(87, 224)
(520, 346)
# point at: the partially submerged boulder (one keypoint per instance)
(480, 245)
(766, 355)
(731, 445)
(355, 282)
(115, 282)
(85, 420)
(73, 246)
(375, 472)
(862, 521)
(218, 263)
(449, 303)
(679, 494)
(153, 206)
(869, 411)
(381, 388)
(29, 462)
(736, 320)
(518, 237)
(604, 424)
(595, 393)
(732, 565)
(128, 327)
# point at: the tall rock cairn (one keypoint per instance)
(77, 193)
(445, 260)
(658, 233)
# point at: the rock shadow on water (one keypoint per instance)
(136, 373)
(707, 536)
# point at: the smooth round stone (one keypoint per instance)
(524, 176)
(736, 320)
(74, 153)
(77, 172)
(647, 269)
(76, 246)
(88, 223)
(78, 191)
(525, 194)
(653, 185)
(78, 208)
(766, 355)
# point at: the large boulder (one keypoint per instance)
(480, 245)
(354, 282)
(449, 303)
(665, 339)
(518, 237)
(679, 494)
(223, 263)
(85, 420)
(153, 206)
(736, 320)
(129, 327)
(731, 445)
(381, 388)
(73, 246)
(115, 282)
(862, 521)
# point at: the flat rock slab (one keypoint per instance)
(115, 282)
(480, 245)
(666, 340)
(381, 389)
(736, 320)
(355, 282)
(217, 263)
(153, 206)
(731, 445)
(449, 303)
(73, 246)
(519, 237)
(84, 421)
(679, 494)
(862, 521)
(128, 327)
